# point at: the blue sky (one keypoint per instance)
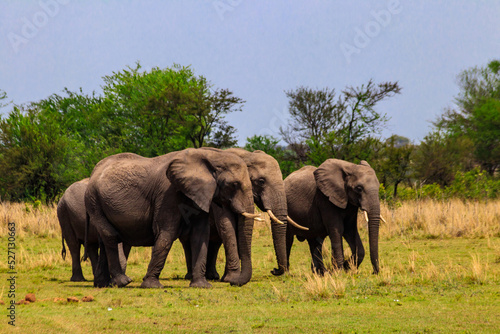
(258, 49)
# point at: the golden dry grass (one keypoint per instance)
(30, 219)
(426, 218)
(441, 219)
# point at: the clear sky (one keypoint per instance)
(258, 49)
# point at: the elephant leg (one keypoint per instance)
(213, 251)
(93, 253)
(159, 254)
(74, 246)
(289, 244)
(109, 238)
(337, 249)
(123, 253)
(225, 233)
(353, 239)
(169, 230)
(102, 278)
(186, 245)
(334, 224)
(200, 235)
(76, 267)
(316, 249)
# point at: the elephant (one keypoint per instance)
(71, 214)
(269, 196)
(154, 201)
(326, 199)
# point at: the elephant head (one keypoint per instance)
(209, 175)
(347, 183)
(269, 195)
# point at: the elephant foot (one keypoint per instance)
(151, 283)
(278, 272)
(189, 276)
(78, 278)
(212, 275)
(200, 283)
(318, 271)
(347, 266)
(120, 280)
(231, 275)
(102, 283)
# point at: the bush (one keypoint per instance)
(472, 185)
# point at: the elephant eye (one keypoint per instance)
(358, 189)
(236, 185)
(261, 181)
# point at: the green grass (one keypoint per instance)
(425, 286)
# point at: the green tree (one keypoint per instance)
(394, 164)
(341, 128)
(206, 110)
(439, 157)
(3, 96)
(477, 115)
(314, 113)
(286, 157)
(35, 161)
(169, 109)
(149, 105)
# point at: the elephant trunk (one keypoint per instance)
(373, 232)
(279, 241)
(245, 230)
(274, 203)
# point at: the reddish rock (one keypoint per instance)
(23, 302)
(87, 299)
(73, 300)
(30, 297)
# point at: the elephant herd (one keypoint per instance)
(205, 198)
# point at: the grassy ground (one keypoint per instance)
(433, 279)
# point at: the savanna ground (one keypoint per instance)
(440, 273)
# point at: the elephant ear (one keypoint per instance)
(330, 178)
(192, 174)
(364, 163)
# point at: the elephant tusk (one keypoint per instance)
(273, 217)
(366, 217)
(255, 216)
(290, 220)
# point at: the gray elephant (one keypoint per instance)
(72, 219)
(326, 199)
(269, 196)
(154, 201)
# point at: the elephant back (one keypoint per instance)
(301, 189)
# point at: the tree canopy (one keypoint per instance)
(477, 114)
(49, 144)
(46, 145)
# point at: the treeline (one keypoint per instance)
(47, 145)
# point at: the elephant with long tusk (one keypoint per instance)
(269, 195)
(153, 201)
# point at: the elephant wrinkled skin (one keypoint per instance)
(326, 199)
(72, 219)
(269, 194)
(154, 201)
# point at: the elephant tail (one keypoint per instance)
(87, 226)
(63, 252)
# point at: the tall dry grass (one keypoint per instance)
(438, 219)
(429, 218)
(40, 220)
